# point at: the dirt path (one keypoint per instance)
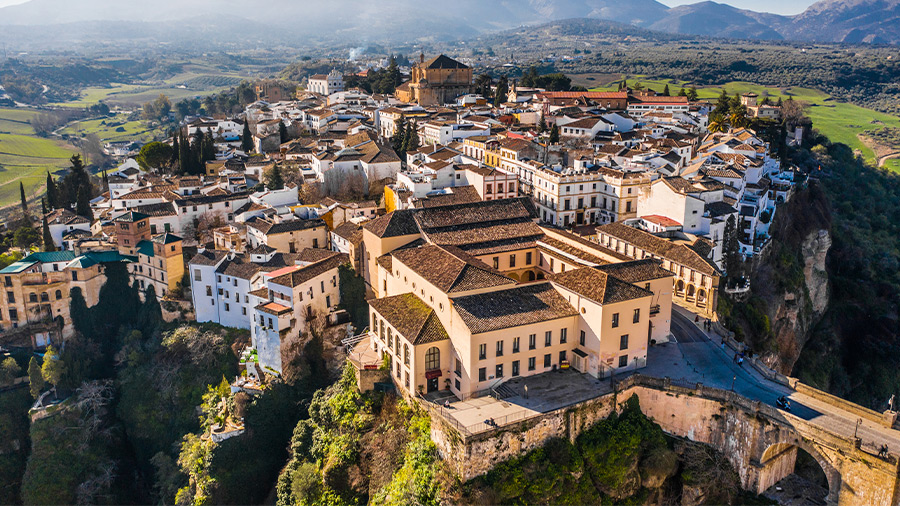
(882, 153)
(883, 159)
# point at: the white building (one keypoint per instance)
(326, 84)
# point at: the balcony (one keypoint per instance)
(654, 310)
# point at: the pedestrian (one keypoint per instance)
(735, 359)
(696, 318)
(741, 361)
(526, 391)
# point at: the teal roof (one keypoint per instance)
(91, 258)
(131, 216)
(145, 248)
(38, 257)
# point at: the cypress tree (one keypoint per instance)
(274, 179)
(52, 193)
(247, 138)
(554, 134)
(412, 137)
(83, 202)
(105, 181)
(399, 138)
(184, 155)
(47, 238)
(82, 319)
(207, 150)
(43, 205)
(542, 125)
(666, 91)
(282, 132)
(22, 196)
(176, 150)
(34, 378)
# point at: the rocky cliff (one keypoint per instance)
(790, 286)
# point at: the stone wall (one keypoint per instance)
(760, 441)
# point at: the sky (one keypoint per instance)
(786, 7)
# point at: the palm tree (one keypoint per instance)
(717, 123)
(738, 118)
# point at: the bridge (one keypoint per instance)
(693, 390)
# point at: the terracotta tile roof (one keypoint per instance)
(412, 318)
(661, 220)
(637, 271)
(569, 249)
(663, 248)
(304, 274)
(459, 195)
(476, 212)
(524, 305)
(450, 269)
(273, 308)
(598, 286)
(269, 228)
(208, 257)
(393, 224)
(350, 231)
(478, 233)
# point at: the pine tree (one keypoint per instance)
(47, 238)
(692, 94)
(247, 138)
(274, 179)
(666, 91)
(34, 378)
(554, 134)
(22, 196)
(52, 193)
(282, 132)
(83, 202)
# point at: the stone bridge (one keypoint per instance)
(761, 442)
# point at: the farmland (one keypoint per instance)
(114, 129)
(26, 159)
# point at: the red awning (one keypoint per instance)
(433, 374)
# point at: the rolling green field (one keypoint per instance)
(840, 122)
(107, 129)
(24, 157)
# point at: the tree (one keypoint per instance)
(412, 137)
(52, 193)
(399, 138)
(176, 150)
(665, 92)
(154, 155)
(47, 238)
(185, 161)
(22, 196)
(247, 138)
(53, 367)
(682, 93)
(73, 181)
(717, 123)
(483, 85)
(692, 94)
(283, 132)
(542, 125)
(637, 86)
(25, 236)
(554, 134)
(9, 371)
(731, 249)
(502, 91)
(83, 203)
(150, 315)
(35, 378)
(207, 150)
(274, 180)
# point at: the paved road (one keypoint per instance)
(696, 357)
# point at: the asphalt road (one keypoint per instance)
(703, 360)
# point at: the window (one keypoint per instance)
(512, 260)
(432, 359)
(13, 314)
(208, 291)
(458, 369)
(615, 321)
(500, 348)
(456, 382)
(515, 368)
(548, 338)
(58, 294)
(516, 344)
(581, 338)
(482, 351)
(532, 341)
(8, 281)
(496, 262)
(406, 354)
(647, 286)
(563, 335)
(227, 307)
(406, 379)
(32, 297)
(637, 316)
(10, 297)
(244, 311)
(623, 342)
(531, 365)
(499, 369)
(623, 361)
(547, 360)
(562, 356)
(74, 276)
(482, 374)
(528, 258)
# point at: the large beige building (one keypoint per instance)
(437, 81)
(470, 295)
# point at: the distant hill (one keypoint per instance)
(855, 21)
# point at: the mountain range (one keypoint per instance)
(851, 21)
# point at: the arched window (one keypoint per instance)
(432, 359)
(45, 297)
(406, 354)
(32, 297)
(58, 294)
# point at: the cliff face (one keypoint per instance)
(790, 286)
